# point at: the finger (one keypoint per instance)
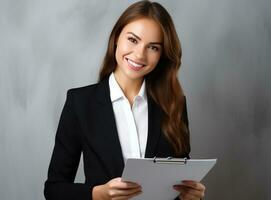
(131, 184)
(135, 194)
(126, 185)
(127, 197)
(118, 184)
(188, 190)
(126, 192)
(185, 196)
(194, 184)
(128, 182)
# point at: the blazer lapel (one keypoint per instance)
(105, 139)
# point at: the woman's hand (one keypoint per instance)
(116, 189)
(190, 190)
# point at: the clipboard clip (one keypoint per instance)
(170, 160)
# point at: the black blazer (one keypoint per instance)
(87, 125)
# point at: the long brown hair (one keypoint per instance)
(162, 83)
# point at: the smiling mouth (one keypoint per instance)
(134, 65)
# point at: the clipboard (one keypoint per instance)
(158, 175)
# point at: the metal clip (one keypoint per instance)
(170, 160)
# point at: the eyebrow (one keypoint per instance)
(158, 43)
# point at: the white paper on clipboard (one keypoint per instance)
(158, 175)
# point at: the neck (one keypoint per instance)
(130, 87)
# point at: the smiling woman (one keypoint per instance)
(136, 110)
(138, 51)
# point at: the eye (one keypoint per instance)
(154, 48)
(133, 40)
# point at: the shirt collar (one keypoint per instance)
(117, 93)
(142, 91)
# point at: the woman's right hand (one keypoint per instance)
(116, 189)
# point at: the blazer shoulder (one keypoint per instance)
(98, 92)
(82, 91)
(82, 95)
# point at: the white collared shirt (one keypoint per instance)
(132, 123)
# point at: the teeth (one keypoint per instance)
(134, 64)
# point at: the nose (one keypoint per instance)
(140, 52)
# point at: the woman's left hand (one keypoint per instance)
(190, 190)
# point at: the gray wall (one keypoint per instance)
(49, 46)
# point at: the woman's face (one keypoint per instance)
(139, 48)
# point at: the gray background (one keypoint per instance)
(47, 47)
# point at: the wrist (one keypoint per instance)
(97, 192)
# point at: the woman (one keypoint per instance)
(137, 109)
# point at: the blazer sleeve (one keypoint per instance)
(65, 159)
